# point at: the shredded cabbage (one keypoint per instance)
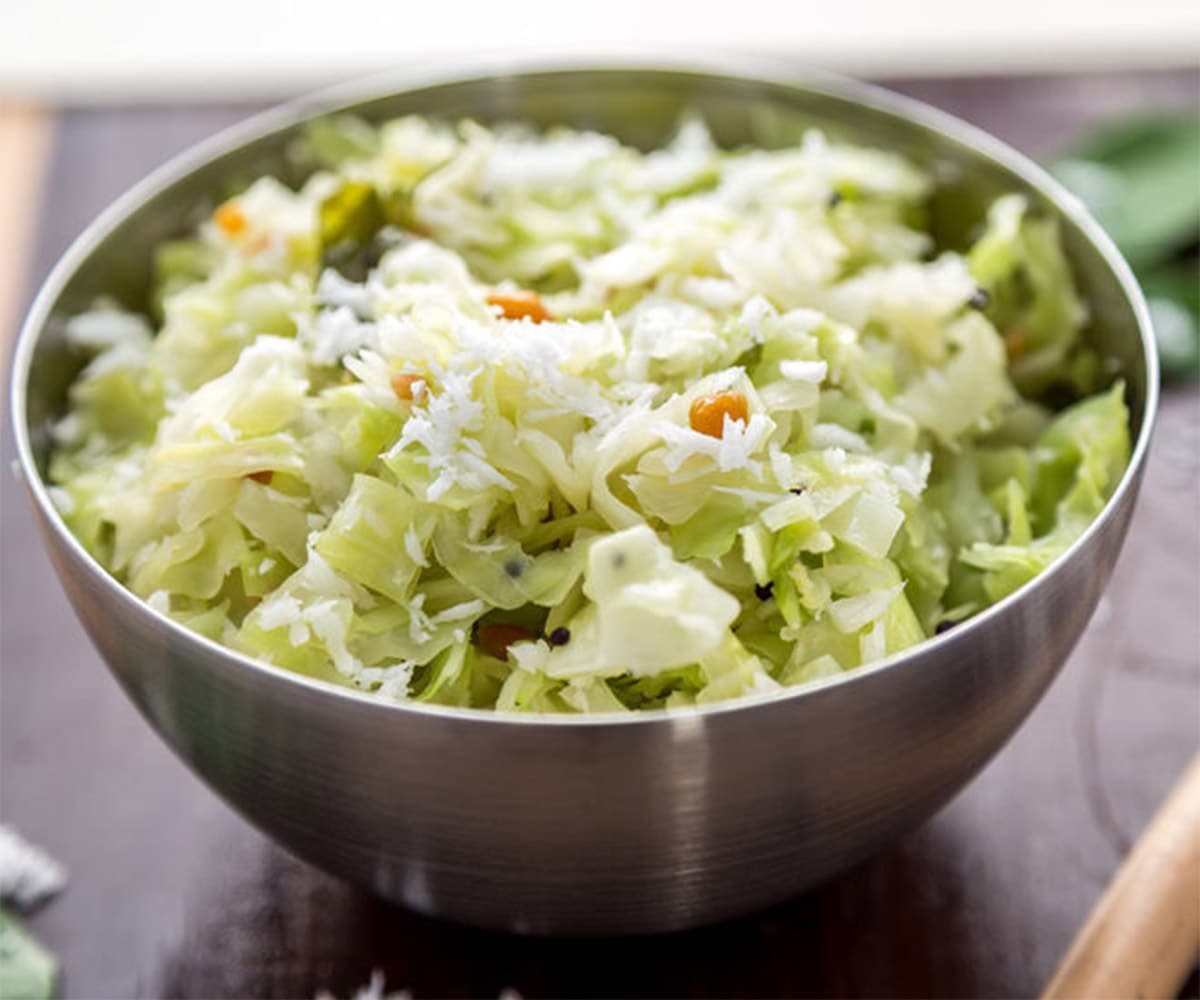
(541, 423)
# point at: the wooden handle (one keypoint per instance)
(1143, 937)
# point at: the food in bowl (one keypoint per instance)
(539, 422)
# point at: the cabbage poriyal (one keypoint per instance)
(536, 421)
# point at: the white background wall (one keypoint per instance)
(85, 50)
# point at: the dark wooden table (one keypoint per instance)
(173, 895)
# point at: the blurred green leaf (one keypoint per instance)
(1140, 177)
(27, 970)
(1173, 294)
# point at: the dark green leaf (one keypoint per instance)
(352, 213)
(349, 220)
(357, 226)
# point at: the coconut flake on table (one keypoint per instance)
(28, 875)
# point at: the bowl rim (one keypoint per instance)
(776, 71)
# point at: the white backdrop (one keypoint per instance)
(84, 50)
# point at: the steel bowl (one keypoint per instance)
(639, 823)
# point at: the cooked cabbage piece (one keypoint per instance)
(537, 422)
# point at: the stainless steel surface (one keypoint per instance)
(579, 825)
